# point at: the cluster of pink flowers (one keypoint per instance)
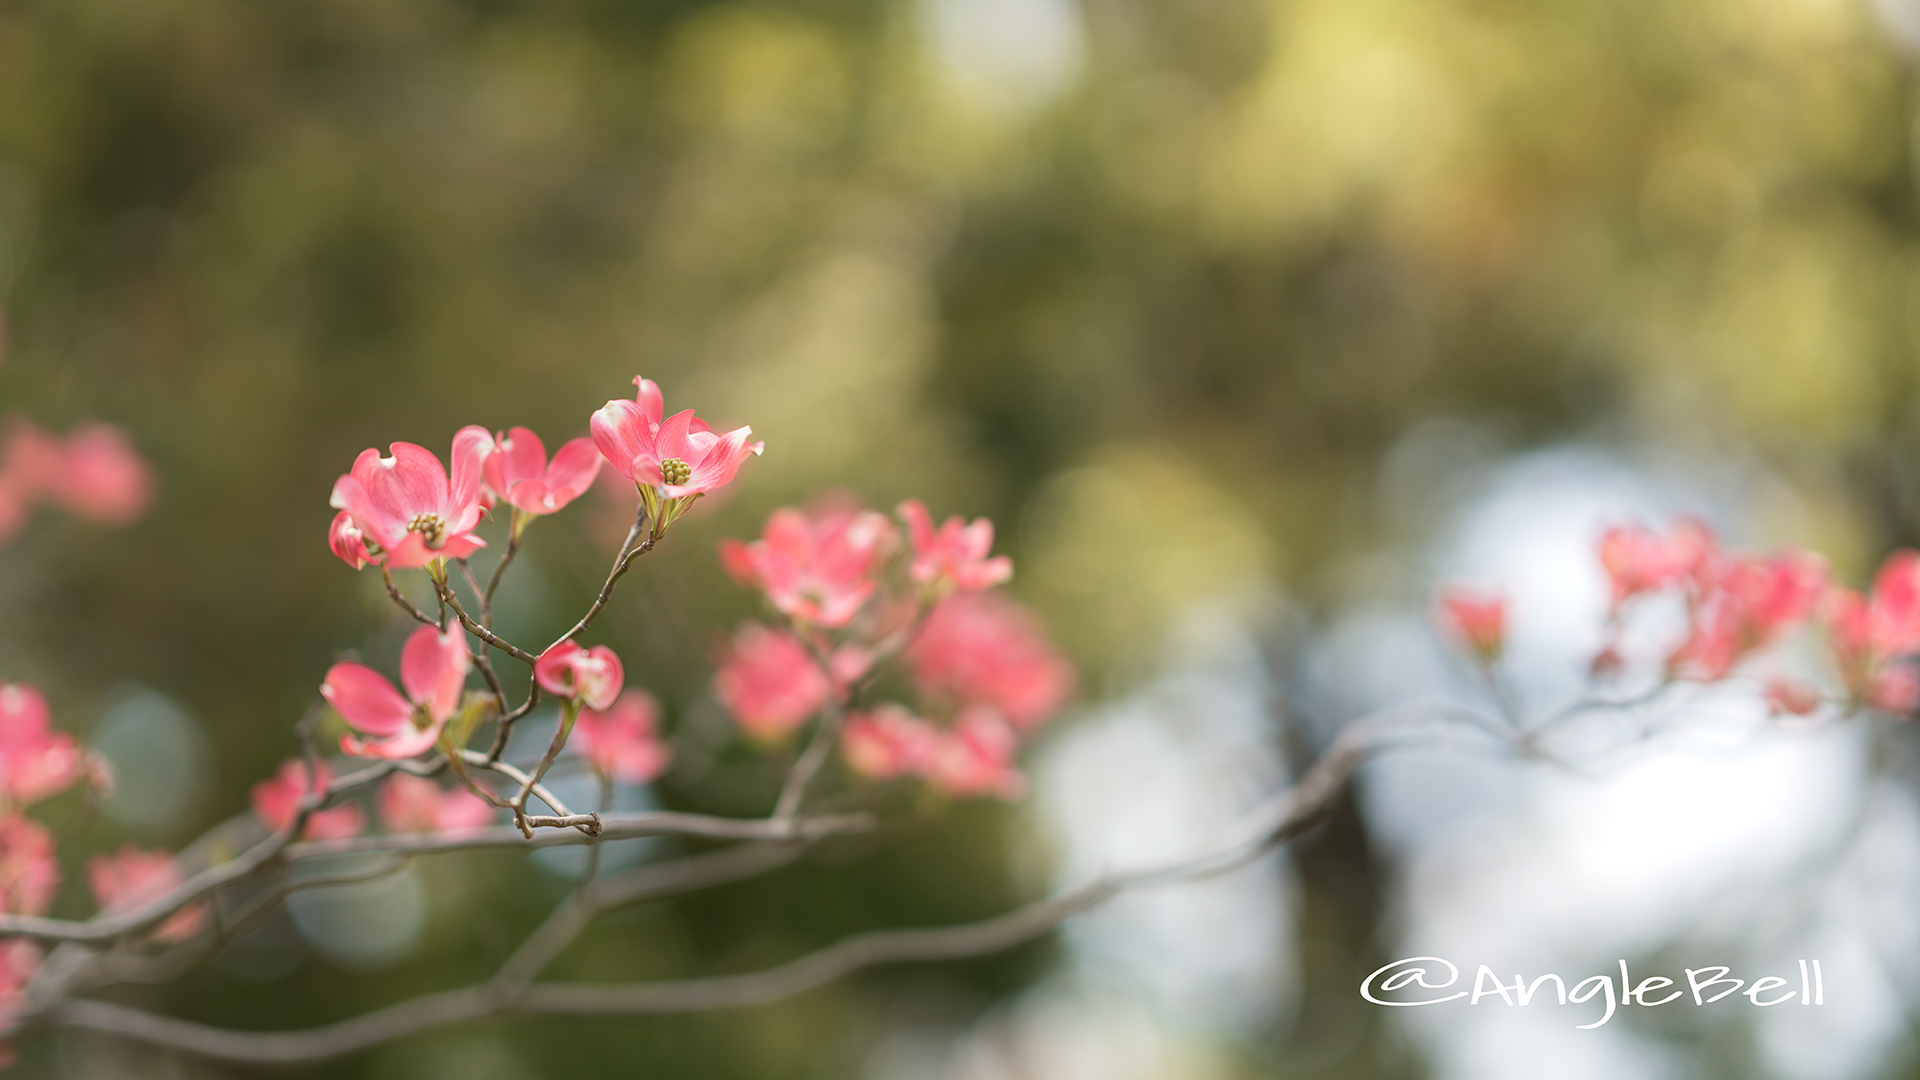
(1737, 604)
(36, 763)
(405, 510)
(93, 472)
(981, 667)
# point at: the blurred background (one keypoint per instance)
(1246, 320)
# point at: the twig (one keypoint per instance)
(406, 605)
(629, 551)
(794, 789)
(1277, 819)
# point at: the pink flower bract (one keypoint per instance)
(28, 872)
(593, 676)
(888, 741)
(277, 800)
(678, 455)
(1476, 620)
(347, 541)
(409, 803)
(131, 877)
(35, 761)
(518, 472)
(102, 477)
(1747, 602)
(406, 504)
(769, 682)
(433, 668)
(19, 960)
(1873, 637)
(819, 568)
(1638, 560)
(976, 758)
(622, 743)
(956, 553)
(981, 648)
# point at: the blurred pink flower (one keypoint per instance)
(769, 682)
(593, 676)
(19, 960)
(888, 741)
(94, 472)
(32, 460)
(276, 800)
(102, 477)
(622, 743)
(28, 872)
(518, 472)
(133, 877)
(433, 668)
(678, 455)
(956, 554)
(1748, 601)
(406, 504)
(983, 649)
(409, 803)
(1638, 560)
(1476, 620)
(1873, 637)
(1791, 697)
(819, 568)
(976, 757)
(35, 761)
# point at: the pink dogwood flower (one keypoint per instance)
(954, 555)
(35, 761)
(976, 757)
(19, 960)
(1874, 638)
(33, 460)
(93, 471)
(981, 648)
(888, 741)
(1476, 620)
(433, 669)
(592, 677)
(132, 877)
(518, 473)
(406, 505)
(277, 800)
(28, 872)
(415, 804)
(1639, 560)
(1749, 601)
(677, 456)
(1791, 697)
(769, 682)
(818, 568)
(623, 743)
(101, 477)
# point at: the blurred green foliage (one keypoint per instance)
(1154, 284)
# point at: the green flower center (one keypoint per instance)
(675, 472)
(431, 529)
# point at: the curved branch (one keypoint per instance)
(1272, 822)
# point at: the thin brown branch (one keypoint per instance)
(406, 605)
(1274, 821)
(473, 627)
(629, 551)
(794, 789)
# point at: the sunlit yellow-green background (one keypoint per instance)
(1153, 283)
